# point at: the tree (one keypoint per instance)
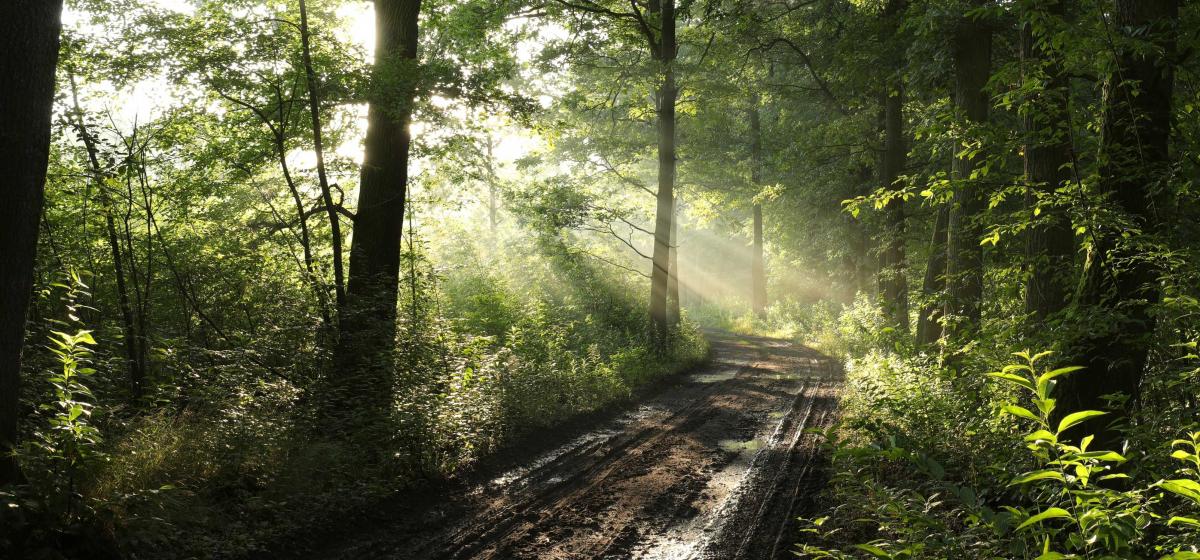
(664, 50)
(367, 332)
(1120, 281)
(102, 178)
(893, 282)
(972, 55)
(1050, 244)
(314, 109)
(29, 40)
(929, 328)
(758, 278)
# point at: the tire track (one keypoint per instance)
(699, 471)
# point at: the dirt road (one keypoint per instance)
(713, 467)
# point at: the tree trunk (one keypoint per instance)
(758, 280)
(893, 262)
(893, 282)
(929, 327)
(673, 303)
(364, 355)
(314, 108)
(134, 366)
(493, 196)
(758, 271)
(1050, 243)
(29, 34)
(310, 270)
(664, 214)
(1119, 281)
(862, 240)
(972, 54)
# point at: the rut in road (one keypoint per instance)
(715, 466)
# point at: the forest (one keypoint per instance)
(566, 279)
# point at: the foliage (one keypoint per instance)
(916, 480)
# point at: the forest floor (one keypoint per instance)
(713, 464)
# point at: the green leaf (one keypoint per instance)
(1184, 555)
(1077, 417)
(1020, 411)
(1013, 379)
(1044, 379)
(873, 550)
(1045, 405)
(1102, 456)
(1040, 355)
(1183, 521)
(1184, 487)
(1051, 513)
(1042, 435)
(1038, 475)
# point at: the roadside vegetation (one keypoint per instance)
(264, 263)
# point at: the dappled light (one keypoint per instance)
(599, 279)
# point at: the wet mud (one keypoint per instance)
(715, 466)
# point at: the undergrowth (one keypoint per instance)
(977, 461)
(234, 464)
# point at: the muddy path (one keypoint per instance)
(714, 466)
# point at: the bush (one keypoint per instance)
(919, 476)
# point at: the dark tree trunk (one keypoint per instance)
(1050, 243)
(314, 109)
(893, 265)
(364, 356)
(893, 262)
(29, 34)
(758, 270)
(861, 240)
(101, 176)
(664, 213)
(972, 54)
(310, 270)
(1119, 282)
(929, 327)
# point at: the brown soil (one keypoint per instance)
(715, 467)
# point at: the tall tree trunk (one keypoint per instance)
(758, 269)
(664, 214)
(862, 240)
(893, 262)
(673, 303)
(301, 218)
(1119, 281)
(493, 196)
(144, 297)
(29, 34)
(101, 178)
(972, 54)
(314, 109)
(364, 354)
(1050, 243)
(929, 327)
(758, 279)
